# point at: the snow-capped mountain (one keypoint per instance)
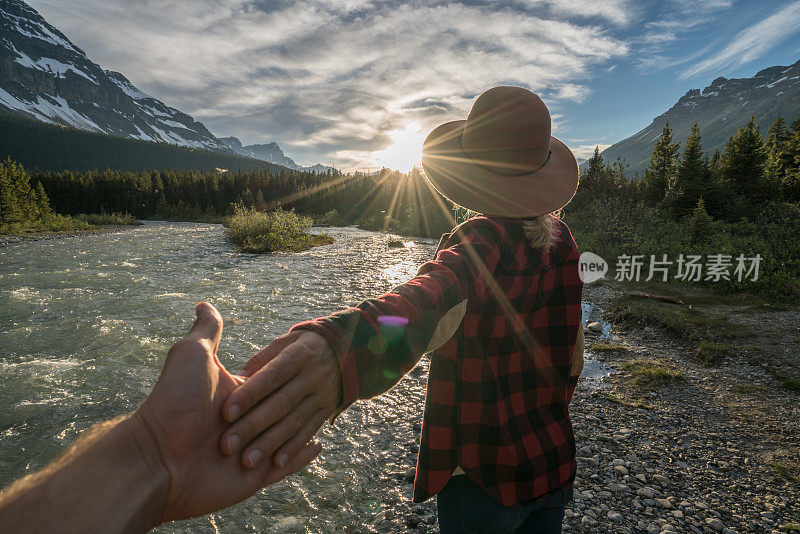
(44, 76)
(270, 152)
(720, 110)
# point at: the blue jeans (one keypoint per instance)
(464, 508)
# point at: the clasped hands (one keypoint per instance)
(221, 437)
(203, 439)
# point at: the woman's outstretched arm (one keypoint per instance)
(324, 365)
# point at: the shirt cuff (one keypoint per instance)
(345, 355)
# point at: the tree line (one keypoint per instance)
(389, 201)
(742, 200)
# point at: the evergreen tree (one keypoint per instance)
(775, 166)
(790, 159)
(260, 203)
(700, 223)
(744, 161)
(598, 179)
(659, 177)
(693, 178)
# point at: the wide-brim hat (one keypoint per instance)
(502, 161)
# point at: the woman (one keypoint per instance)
(498, 310)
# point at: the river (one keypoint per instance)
(87, 320)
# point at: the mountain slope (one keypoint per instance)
(269, 152)
(720, 109)
(44, 76)
(51, 147)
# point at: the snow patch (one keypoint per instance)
(128, 88)
(52, 66)
(50, 109)
(776, 82)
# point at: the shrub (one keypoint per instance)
(109, 219)
(259, 232)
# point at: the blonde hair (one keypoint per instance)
(540, 231)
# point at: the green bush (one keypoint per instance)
(109, 219)
(258, 232)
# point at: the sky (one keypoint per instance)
(359, 83)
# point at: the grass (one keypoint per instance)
(789, 382)
(631, 403)
(791, 527)
(600, 347)
(740, 387)
(685, 320)
(710, 353)
(788, 469)
(279, 230)
(652, 373)
(53, 222)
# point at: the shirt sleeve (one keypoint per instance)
(381, 339)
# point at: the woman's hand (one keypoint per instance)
(291, 388)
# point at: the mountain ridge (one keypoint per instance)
(271, 153)
(720, 109)
(44, 76)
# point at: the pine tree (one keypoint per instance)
(700, 223)
(790, 159)
(260, 203)
(744, 161)
(775, 166)
(598, 179)
(693, 178)
(659, 177)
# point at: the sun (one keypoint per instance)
(405, 152)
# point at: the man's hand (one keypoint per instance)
(182, 416)
(161, 463)
(291, 388)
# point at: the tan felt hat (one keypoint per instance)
(502, 161)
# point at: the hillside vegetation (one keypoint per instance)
(742, 201)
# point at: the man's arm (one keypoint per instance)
(159, 464)
(110, 480)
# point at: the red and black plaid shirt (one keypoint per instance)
(499, 388)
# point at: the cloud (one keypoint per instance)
(330, 79)
(619, 12)
(675, 19)
(751, 43)
(587, 151)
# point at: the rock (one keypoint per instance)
(664, 503)
(618, 487)
(412, 520)
(594, 327)
(621, 470)
(613, 515)
(646, 493)
(661, 479)
(715, 524)
(409, 474)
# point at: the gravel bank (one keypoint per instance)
(712, 450)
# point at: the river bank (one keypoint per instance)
(10, 239)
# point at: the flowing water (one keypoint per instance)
(85, 323)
